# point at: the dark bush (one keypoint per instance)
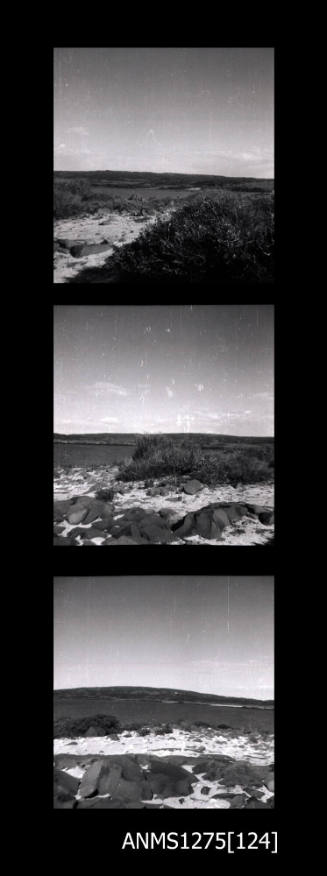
(157, 456)
(73, 727)
(226, 240)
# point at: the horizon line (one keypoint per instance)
(166, 173)
(224, 434)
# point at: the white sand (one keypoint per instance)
(122, 229)
(189, 743)
(245, 531)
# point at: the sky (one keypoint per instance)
(164, 368)
(177, 110)
(208, 634)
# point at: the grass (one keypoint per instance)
(77, 197)
(225, 238)
(159, 456)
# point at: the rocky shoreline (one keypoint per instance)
(143, 781)
(163, 513)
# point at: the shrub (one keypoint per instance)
(158, 455)
(73, 727)
(229, 239)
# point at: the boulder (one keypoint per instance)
(221, 517)
(77, 516)
(98, 509)
(184, 527)
(156, 534)
(109, 778)
(90, 780)
(169, 780)
(65, 785)
(192, 487)
(131, 770)
(170, 516)
(205, 526)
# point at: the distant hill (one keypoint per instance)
(131, 438)
(156, 693)
(170, 180)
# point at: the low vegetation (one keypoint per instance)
(228, 239)
(158, 456)
(70, 728)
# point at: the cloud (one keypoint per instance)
(110, 420)
(103, 387)
(169, 392)
(83, 132)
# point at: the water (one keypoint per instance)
(90, 454)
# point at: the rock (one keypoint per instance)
(238, 801)
(221, 518)
(131, 770)
(169, 780)
(266, 517)
(67, 242)
(90, 780)
(109, 778)
(186, 526)
(122, 540)
(205, 525)
(97, 508)
(65, 785)
(253, 803)
(192, 487)
(61, 508)
(156, 534)
(104, 524)
(77, 531)
(66, 804)
(270, 784)
(106, 495)
(87, 248)
(170, 516)
(93, 532)
(77, 516)
(63, 542)
(205, 789)
(100, 803)
(93, 731)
